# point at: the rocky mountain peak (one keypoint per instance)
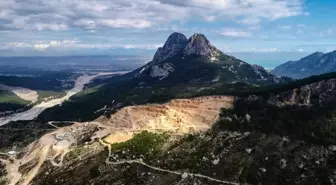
(175, 39)
(174, 44)
(198, 44)
(314, 55)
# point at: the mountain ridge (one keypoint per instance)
(179, 69)
(313, 64)
(199, 48)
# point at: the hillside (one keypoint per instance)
(181, 68)
(10, 102)
(283, 138)
(314, 64)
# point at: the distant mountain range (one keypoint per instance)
(314, 64)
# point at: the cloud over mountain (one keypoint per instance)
(58, 15)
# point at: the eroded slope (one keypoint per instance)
(175, 117)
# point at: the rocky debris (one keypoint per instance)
(12, 153)
(215, 162)
(301, 166)
(318, 93)
(332, 148)
(161, 72)
(175, 43)
(184, 175)
(283, 163)
(199, 45)
(248, 150)
(259, 70)
(248, 117)
(262, 170)
(228, 119)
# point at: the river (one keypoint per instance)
(39, 108)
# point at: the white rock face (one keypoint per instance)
(248, 117)
(262, 170)
(332, 148)
(215, 162)
(283, 163)
(248, 150)
(198, 44)
(161, 72)
(184, 175)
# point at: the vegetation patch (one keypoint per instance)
(310, 123)
(145, 143)
(45, 94)
(9, 97)
(11, 102)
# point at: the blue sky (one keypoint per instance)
(266, 32)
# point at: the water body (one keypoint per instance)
(39, 108)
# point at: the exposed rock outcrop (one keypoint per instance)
(175, 43)
(198, 44)
(322, 92)
(161, 72)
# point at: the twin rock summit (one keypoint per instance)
(177, 43)
(196, 60)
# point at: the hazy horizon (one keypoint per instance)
(269, 61)
(265, 32)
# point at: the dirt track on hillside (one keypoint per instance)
(177, 117)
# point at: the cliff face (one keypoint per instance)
(175, 43)
(319, 93)
(199, 45)
(178, 43)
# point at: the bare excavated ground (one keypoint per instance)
(178, 116)
(175, 117)
(24, 93)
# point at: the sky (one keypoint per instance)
(266, 32)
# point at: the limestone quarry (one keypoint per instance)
(179, 116)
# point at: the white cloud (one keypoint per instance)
(250, 21)
(230, 32)
(330, 31)
(16, 45)
(301, 26)
(300, 50)
(125, 23)
(246, 12)
(285, 27)
(258, 50)
(60, 15)
(41, 47)
(53, 27)
(75, 44)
